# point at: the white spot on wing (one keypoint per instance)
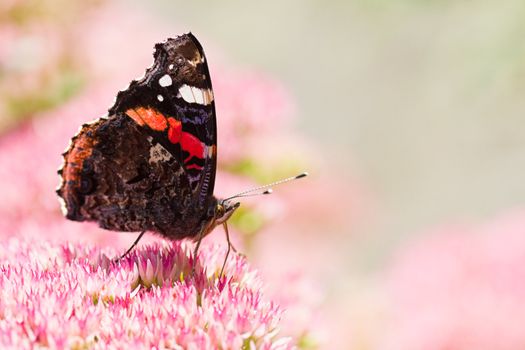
(160, 98)
(165, 80)
(187, 94)
(197, 94)
(193, 94)
(170, 67)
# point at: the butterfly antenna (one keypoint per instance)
(267, 188)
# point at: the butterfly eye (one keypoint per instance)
(220, 210)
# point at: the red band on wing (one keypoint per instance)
(150, 117)
(135, 116)
(157, 121)
(153, 119)
(192, 145)
(188, 142)
(194, 166)
(175, 130)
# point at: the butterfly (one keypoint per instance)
(150, 163)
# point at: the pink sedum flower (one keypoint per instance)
(71, 296)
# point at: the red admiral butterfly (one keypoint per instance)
(150, 164)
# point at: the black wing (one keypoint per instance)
(174, 104)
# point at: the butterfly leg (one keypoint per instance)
(132, 246)
(195, 250)
(230, 246)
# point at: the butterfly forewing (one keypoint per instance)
(174, 102)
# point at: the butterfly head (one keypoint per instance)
(224, 210)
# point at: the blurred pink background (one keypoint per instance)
(409, 232)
